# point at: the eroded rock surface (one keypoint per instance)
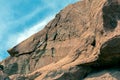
(82, 39)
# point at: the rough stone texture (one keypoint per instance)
(110, 74)
(82, 38)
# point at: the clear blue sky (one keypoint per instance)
(19, 19)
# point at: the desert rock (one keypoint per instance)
(82, 39)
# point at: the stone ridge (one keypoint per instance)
(82, 42)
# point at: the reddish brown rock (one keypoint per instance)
(83, 38)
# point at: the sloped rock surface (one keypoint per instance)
(110, 74)
(83, 37)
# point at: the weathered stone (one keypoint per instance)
(83, 37)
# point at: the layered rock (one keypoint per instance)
(82, 39)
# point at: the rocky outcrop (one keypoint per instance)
(81, 41)
(110, 74)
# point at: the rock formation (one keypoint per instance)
(81, 43)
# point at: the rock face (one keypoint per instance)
(81, 43)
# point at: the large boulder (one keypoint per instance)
(81, 39)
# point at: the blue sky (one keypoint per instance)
(19, 19)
